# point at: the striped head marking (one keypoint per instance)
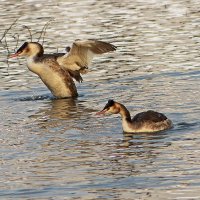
(110, 108)
(29, 49)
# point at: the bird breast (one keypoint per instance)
(54, 79)
(35, 67)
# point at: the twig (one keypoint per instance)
(3, 45)
(17, 42)
(6, 45)
(6, 31)
(43, 32)
(29, 30)
(16, 39)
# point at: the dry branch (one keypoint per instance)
(15, 36)
(43, 32)
(29, 30)
(6, 31)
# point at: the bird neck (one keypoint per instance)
(36, 55)
(127, 124)
(34, 63)
(125, 114)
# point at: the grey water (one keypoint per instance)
(57, 148)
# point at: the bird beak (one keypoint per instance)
(13, 55)
(101, 112)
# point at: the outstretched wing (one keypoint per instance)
(82, 52)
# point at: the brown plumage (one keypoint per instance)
(149, 121)
(58, 70)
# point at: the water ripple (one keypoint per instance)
(57, 148)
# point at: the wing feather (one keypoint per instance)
(149, 115)
(82, 52)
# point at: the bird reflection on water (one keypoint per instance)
(62, 114)
(142, 140)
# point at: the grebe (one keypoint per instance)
(58, 70)
(149, 121)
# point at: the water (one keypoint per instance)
(59, 149)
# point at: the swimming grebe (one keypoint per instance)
(149, 121)
(58, 70)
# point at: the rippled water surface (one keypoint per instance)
(59, 149)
